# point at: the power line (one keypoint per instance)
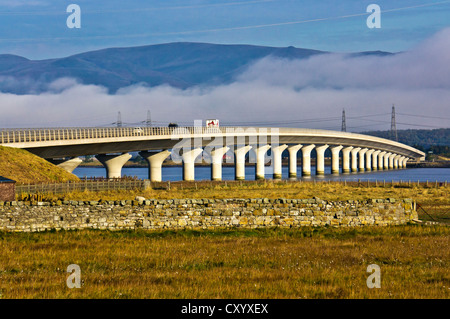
(119, 120)
(426, 116)
(148, 122)
(344, 125)
(394, 135)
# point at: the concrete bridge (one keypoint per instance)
(189, 145)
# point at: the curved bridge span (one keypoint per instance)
(190, 145)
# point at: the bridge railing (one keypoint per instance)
(11, 136)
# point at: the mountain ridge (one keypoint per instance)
(178, 64)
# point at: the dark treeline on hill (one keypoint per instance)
(436, 140)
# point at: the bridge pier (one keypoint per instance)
(386, 161)
(189, 163)
(155, 160)
(277, 153)
(260, 161)
(113, 164)
(354, 159)
(400, 164)
(320, 159)
(391, 161)
(361, 159)
(369, 160)
(306, 160)
(405, 161)
(67, 165)
(293, 150)
(216, 162)
(335, 159)
(239, 161)
(396, 159)
(375, 160)
(346, 159)
(381, 160)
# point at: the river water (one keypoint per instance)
(175, 173)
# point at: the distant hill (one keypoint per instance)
(24, 167)
(436, 140)
(180, 65)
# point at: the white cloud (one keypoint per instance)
(426, 66)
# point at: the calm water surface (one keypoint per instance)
(175, 173)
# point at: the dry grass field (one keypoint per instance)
(267, 264)
(23, 167)
(261, 263)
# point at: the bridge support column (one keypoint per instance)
(67, 165)
(346, 159)
(260, 161)
(239, 161)
(361, 159)
(277, 153)
(405, 161)
(369, 160)
(155, 160)
(216, 162)
(113, 163)
(375, 160)
(306, 160)
(396, 161)
(381, 160)
(354, 159)
(320, 159)
(189, 163)
(335, 159)
(391, 161)
(293, 150)
(386, 161)
(400, 162)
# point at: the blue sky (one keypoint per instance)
(37, 29)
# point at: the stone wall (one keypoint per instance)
(7, 190)
(201, 214)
